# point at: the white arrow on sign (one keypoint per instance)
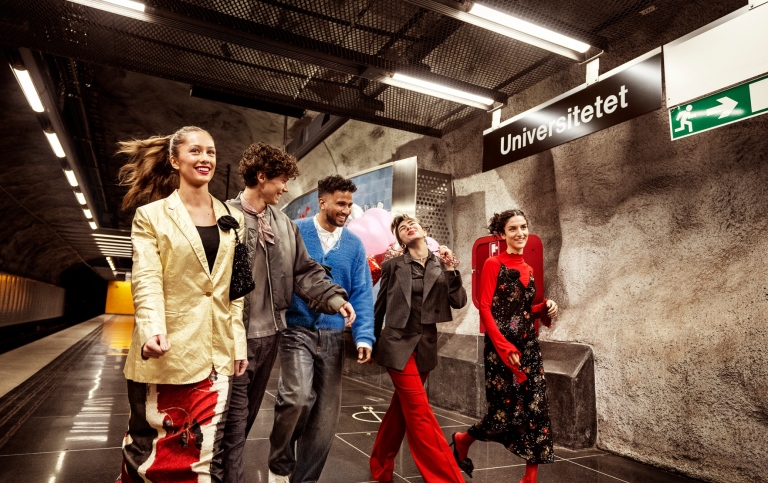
(727, 105)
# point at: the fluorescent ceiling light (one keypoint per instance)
(115, 247)
(128, 4)
(437, 90)
(92, 225)
(22, 76)
(87, 213)
(80, 197)
(121, 243)
(526, 27)
(107, 5)
(101, 235)
(72, 181)
(53, 139)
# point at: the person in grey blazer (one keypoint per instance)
(418, 290)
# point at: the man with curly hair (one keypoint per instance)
(312, 347)
(281, 269)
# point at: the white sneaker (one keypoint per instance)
(273, 478)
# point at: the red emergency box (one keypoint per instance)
(488, 246)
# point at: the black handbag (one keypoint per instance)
(242, 278)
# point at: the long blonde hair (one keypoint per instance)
(148, 172)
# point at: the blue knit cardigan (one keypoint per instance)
(349, 268)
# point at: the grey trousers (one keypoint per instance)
(308, 402)
(247, 394)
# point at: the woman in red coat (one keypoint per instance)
(518, 411)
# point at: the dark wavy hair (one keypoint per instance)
(270, 160)
(334, 183)
(499, 220)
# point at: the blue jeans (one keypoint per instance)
(247, 394)
(308, 402)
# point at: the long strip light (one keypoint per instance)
(128, 4)
(520, 25)
(71, 178)
(507, 25)
(437, 90)
(120, 237)
(113, 6)
(28, 87)
(109, 242)
(53, 139)
(111, 263)
(30, 92)
(126, 248)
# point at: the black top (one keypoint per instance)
(427, 332)
(417, 296)
(209, 235)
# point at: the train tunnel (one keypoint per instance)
(630, 132)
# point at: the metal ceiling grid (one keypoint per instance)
(313, 54)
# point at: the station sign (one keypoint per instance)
(726, 107)
(620, 95)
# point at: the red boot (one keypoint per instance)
(531, 470)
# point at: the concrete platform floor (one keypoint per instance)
(65, 422)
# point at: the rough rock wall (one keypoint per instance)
(656, 253)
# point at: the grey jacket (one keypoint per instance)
(443, 291)
(289, 270)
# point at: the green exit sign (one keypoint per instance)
(735, 104)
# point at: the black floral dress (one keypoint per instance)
(518, 413)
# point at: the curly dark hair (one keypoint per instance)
(270, 160)
(499, 220)
(334, 183)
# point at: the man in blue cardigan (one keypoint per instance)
(312, 346)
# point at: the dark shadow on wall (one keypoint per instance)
(86, 293)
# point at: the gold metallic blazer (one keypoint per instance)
(174, 294)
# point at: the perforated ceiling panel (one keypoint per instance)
(318, 54)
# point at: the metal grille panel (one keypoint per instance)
(433, 204)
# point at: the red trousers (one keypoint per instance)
(409, 414)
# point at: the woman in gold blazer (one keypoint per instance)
(188, 338)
